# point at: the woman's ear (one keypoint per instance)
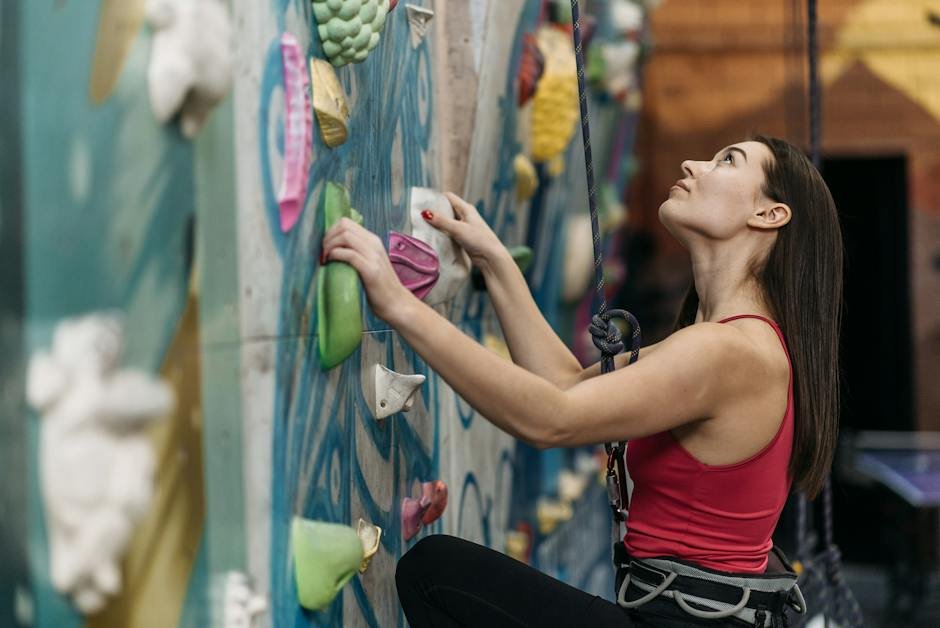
(770, 216)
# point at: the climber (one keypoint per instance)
(722, 416)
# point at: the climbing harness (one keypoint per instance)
(755, 599)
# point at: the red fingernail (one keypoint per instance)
(427, 214)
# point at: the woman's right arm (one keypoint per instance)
(532, 342)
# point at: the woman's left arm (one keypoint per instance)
(685, 380)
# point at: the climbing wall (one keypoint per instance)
(115, 211)
(312, 446)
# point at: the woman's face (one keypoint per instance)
(715, 198)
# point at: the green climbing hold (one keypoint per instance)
(349, 29)
(339, 317)
(522, 256)
(326, 557)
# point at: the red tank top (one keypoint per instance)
(721, 517)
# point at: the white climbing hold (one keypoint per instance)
(454, 261)
(96, 458)
(418, 19)
(579, 257)
(191, 64)
(394, 392)
(242, 607)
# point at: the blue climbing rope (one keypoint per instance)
(606, 335)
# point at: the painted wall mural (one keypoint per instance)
(208, 243)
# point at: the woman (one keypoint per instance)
(723, 416)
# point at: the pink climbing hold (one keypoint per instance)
(392, 4)
(298, 133)
(415, 263)
(436, 493)
(412, 510)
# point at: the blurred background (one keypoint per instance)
(164, 408)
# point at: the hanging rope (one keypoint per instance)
(606, 336)
(814, 91)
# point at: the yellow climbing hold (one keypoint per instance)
(329, 103)
(527, 181)
(555, 109)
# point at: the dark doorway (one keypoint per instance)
(877, 391)
(871, 194)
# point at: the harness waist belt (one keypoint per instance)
(706, 593)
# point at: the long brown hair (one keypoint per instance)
(801, 282)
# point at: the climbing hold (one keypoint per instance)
(579, 258)
(527, 181)
(118, 26)
(551, 513)
(414, 261)
(326, 557)
(394, 392)
(454, 263)
(418, 19)
(519, 542)
(190, 60)
(329, 102)
(617, 69)
(626, 17)
(96, 458)
(436, 493)
(298, 134)
(613, 212)
(412, 511)
(349, 29)
(339, 318)
(571, 485)
(521, 255)
(555, 108)
(531, 67)
(242, 607)
(370, 535)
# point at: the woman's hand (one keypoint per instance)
(470, 231)
(352, 243)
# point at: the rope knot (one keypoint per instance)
(607, 337)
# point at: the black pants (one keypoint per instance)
(446, 581)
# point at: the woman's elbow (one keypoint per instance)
(552, 434)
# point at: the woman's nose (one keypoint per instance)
(687, 167)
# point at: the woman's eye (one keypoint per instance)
(729, 157)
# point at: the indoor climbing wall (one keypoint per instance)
(183, 221)
(313, 447)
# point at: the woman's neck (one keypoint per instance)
(726, 287)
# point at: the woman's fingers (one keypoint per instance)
(351, 257)
(345, 229)
(462, 209)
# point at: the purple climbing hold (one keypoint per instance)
(414, 261)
